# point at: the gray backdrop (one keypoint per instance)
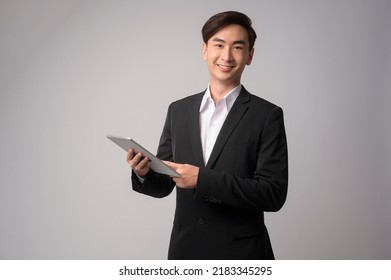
(73, 71)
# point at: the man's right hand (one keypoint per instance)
(139, 163)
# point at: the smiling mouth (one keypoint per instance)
(225, 67)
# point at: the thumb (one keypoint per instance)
(170, 164)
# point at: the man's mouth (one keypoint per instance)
(225, 67)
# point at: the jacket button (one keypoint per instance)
(201, 221)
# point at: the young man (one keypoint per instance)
(229, 147)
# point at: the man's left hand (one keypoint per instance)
(189, 174)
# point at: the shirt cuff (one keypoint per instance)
(141, 180)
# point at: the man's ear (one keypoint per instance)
(204, 51)
(250, 57)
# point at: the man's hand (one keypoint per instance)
(139, 164)
(189, 174)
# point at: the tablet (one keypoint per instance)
(156, 164)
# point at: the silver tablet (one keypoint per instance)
(156, 164)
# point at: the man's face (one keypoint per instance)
(227, 53)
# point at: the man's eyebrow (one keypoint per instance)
(218, 40)
(240, 42)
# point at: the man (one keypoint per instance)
(229, 147)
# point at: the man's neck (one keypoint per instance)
(218, 90)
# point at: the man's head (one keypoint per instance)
(228, 47)
(221, 20)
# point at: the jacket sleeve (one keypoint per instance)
(266, 190)
(155, 184)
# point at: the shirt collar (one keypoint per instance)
(229, 98)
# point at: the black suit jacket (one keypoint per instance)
(247, 174)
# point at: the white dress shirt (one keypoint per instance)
(212, 118)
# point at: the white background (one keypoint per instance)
(73, 71)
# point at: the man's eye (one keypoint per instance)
(238, 47)
(219, 46)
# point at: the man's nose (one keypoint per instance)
(226, 55)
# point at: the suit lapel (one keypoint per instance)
(234, 116)
(194, 130)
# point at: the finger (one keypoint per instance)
(176, 181)
(143, 167)
(143, 163)
(138, 156)
(135, 160)
(130, 155)
(171, 164)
